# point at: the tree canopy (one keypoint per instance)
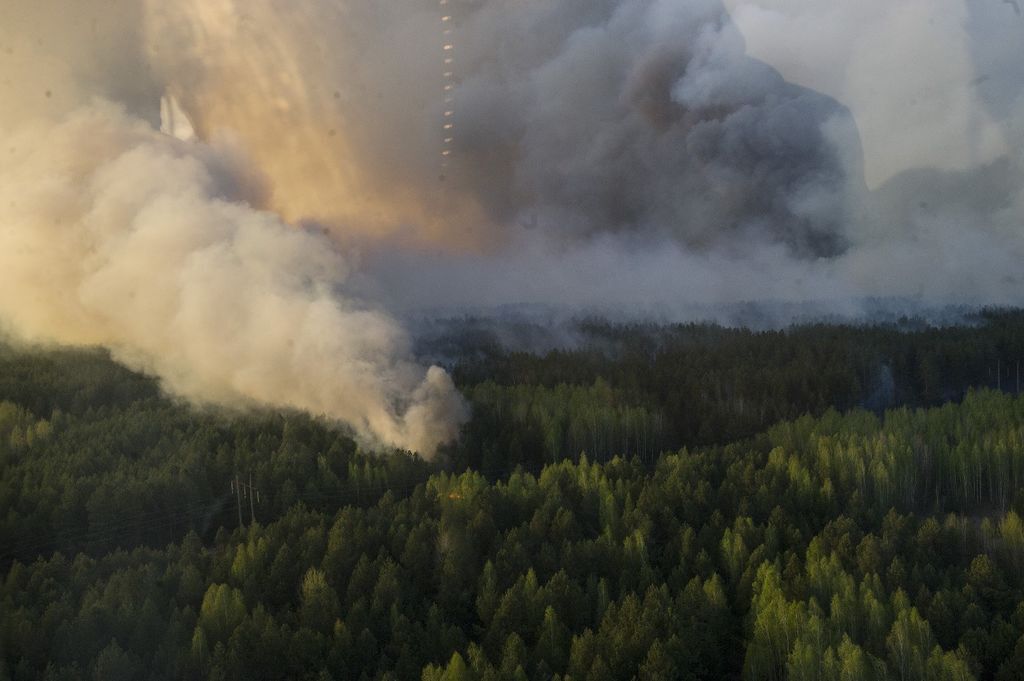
(577, 531)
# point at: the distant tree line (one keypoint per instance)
(631, 389)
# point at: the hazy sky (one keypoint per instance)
(916, 74)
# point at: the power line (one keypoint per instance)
(241, 489)
(447, 87)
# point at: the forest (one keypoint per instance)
(825, 501)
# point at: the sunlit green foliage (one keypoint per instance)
(846, 544)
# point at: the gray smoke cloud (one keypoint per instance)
(668, 153)
(647, 116)
(640, 154)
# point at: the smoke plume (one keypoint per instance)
(354, 159)
(119, 236)
(114, 234)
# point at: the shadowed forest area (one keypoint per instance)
(678, 502)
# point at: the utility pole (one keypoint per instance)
(240, 489)
(252, 506)
(238, 497)
(999, 375)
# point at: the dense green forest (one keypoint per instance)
(643, 389)
(684, 502)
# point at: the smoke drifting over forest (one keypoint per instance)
(604, 153)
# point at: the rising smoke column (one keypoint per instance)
(649, 118)
(114, 234)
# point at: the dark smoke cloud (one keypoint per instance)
(649, 117)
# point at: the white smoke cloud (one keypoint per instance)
(116, 235)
